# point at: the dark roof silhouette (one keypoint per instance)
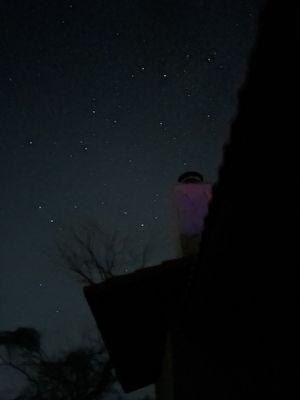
(133, 313)
(236, 333)
(240, 318)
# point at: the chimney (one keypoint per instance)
(191, 196)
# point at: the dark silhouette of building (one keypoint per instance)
(134, 313)
(230, 317)
(239, 337)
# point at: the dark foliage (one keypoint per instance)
(81, 374)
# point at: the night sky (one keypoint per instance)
(103, 105)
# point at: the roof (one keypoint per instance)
(246, 289)
(133, 313)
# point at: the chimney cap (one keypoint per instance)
(190, 177)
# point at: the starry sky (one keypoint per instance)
(103, 105)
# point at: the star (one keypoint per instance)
(99, 120)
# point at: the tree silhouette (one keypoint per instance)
(94, 255)
(84, 373)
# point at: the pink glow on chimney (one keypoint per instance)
(191, 201)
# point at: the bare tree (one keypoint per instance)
(84, 373)
(95, 255)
